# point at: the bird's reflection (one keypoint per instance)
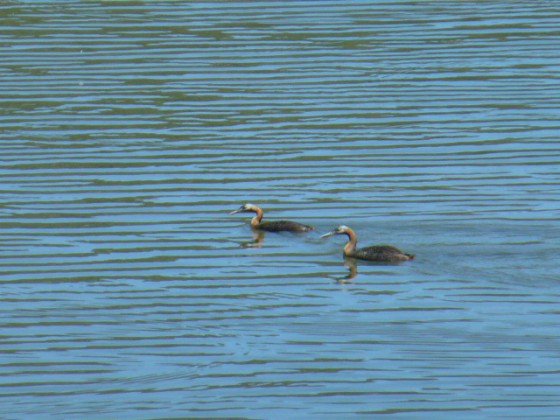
(353, 271)
(352, 265)
(258, 239)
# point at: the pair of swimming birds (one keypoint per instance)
(378, 253)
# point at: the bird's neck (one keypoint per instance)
(351, 245)
(258, 217)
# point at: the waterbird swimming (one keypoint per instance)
(378, 253)
(274, 226)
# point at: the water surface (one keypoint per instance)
(131, 130)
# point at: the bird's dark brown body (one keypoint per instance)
(283, 226)
(377, 253)
(273, 226)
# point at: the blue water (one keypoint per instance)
(131, 130)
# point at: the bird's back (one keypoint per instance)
(381, 253)
(283, 226)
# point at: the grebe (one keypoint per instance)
(276, 226)
(379, 253)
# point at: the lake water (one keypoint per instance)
(130, 130)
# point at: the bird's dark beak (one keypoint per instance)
(326, 235)
(239, 210)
